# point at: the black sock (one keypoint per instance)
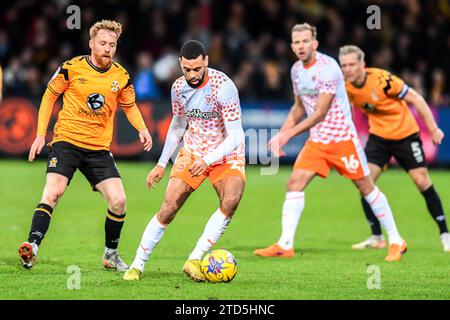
(434, 206)
(371, 219)
(113, 227)
(40, 223)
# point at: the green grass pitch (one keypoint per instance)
(324, 266)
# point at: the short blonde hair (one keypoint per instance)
(352, 49)
(303, 27)
(107, 25)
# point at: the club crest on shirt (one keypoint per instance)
(115, 86)
(52, 163)
(208, 99)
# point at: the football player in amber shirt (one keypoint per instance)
(319, 90)
(93, 87)
(394, 132)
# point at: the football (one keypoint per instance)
(219, 266)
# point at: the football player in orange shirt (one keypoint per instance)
(394, 132)
(93, 86)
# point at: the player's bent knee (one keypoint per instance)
(295, 185)
(422, 181)
(52, 196)
(117, 204)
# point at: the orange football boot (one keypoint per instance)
(396, 251)
(27, 254)
(275, 251)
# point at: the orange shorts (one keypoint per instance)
(347, 157)
(215, 173)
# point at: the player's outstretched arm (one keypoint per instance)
(414, 98)
(45, 112)
(55, 87)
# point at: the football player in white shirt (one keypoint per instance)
(207, 117)
(319, 90)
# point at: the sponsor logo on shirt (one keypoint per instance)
(309, 92)
(95, 101)
(197, 113)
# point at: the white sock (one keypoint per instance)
(151, 237)
(380, 207)
(213, 231)
(292, 209)
(35, 248)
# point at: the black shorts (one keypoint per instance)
(96, 165)
(408, 152)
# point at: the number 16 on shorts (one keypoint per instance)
(351, 164)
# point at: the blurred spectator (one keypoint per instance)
(1, 83)
(4, 44)
(271, 85)
(248, 39)
(438, 86)
(144, 82)
(15, 77)
(167, 69)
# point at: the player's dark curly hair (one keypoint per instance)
(191, 49)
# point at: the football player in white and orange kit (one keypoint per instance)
(207, 117)
(319, 90)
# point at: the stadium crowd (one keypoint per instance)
(249, 40)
